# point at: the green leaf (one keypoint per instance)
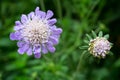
(86, 41)
(89, 37)
(106, 36)
(94, 34)
(84, 47)
(100, 34)
(111, 44)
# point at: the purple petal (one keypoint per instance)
(38, 55)
(37, 12)
(42, 14)
(23, 49)
(31, 15)
(24, 18)
(20, 43)
(36, 49)
(50, 47)
(18, 27)
(17, 33)
(17, 23)
(44, 49)
(54, 40)
(55, 35)
(37, 9)
(29, 51)
(52, 21)
(20, 51)
(57, 31)
(49, 14)
(15, 36)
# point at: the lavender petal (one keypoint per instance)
(20, 51)
(36, 49)
(23, 49)
(38, 55)
(20, 43)
(50, 47)
(17, 23)
(15, 36)
(24, 18)
(37, 12)
(18, 27)
(12, 36)
(57, 31)
(31, 15)
(42, 14)
(37, 9)
(44, 49)
(54, 40)
(52, 21)
(29, 51)
(49, 14)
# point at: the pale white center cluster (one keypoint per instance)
(36, 31)
(99, 47)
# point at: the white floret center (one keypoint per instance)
(36, 31)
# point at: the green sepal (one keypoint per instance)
(100, 34)
(83, 47)
(94, 34)
(89, 37)
(106, 36)
(86, 41)
(111, 44)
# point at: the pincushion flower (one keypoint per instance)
(98, 46)
(36, 33)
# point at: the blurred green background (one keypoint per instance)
(76, 18)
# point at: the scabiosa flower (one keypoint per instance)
(36, 33)
(99, 46)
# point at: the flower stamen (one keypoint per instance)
(36, 32)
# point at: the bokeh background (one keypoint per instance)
(76, 18)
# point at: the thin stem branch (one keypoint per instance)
(80, 61)
(80, 64)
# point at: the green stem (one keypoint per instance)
(59, 9)
(42, 5)
(92, 8)
(80, 64)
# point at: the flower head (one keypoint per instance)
(36, 33)
(98, 46)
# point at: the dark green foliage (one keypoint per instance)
(76, 18)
